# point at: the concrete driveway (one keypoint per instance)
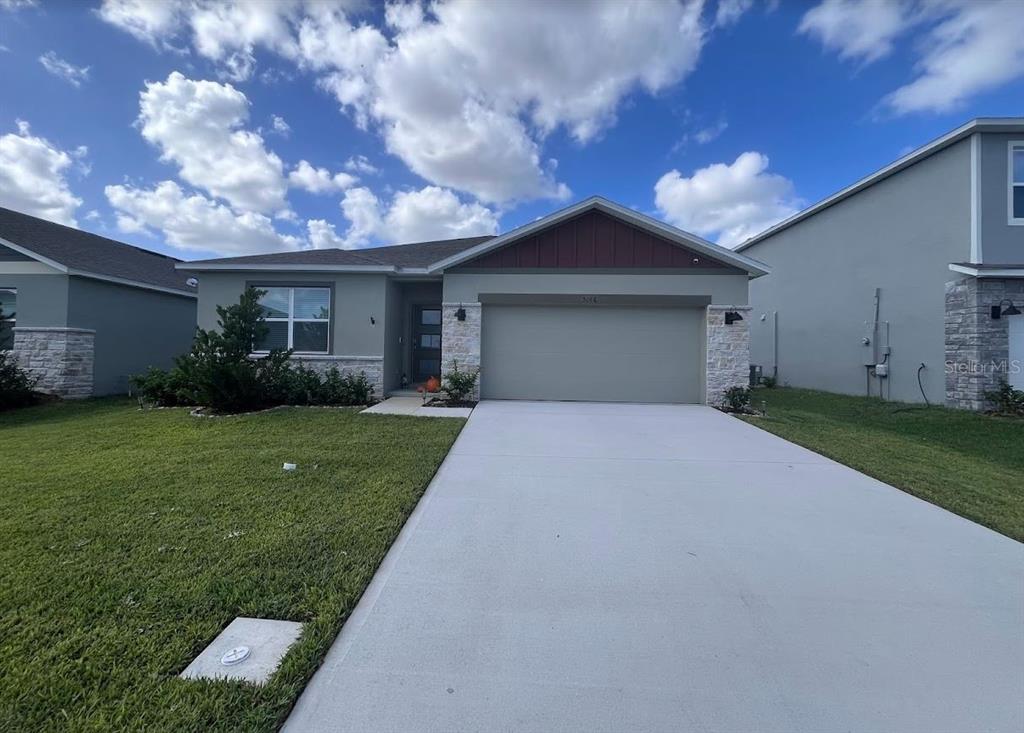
(593, 567)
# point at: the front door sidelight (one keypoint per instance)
(426, 342)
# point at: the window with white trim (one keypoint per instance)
(8, 304)
(1016, 197)
(298, 318)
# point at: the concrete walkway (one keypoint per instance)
(414, 406)
(585, 567)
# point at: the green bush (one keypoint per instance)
(769, 382)
(219, 373)
(459, 384)
(1006, 400)
(17, 386)
(736, 399)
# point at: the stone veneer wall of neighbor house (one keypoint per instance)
(727, 351)
(61, 358)
(460, 340)
(977, 345)
(372, 366)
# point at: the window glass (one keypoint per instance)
(312, 303)
(1018, 164)
(1018, 202)
(430, 317)
(430, 367)
(276, 337)
(309, 336)
(430, 341)
(8, 306)
(275, 302)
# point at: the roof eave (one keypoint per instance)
(714, 251)
(264, 267)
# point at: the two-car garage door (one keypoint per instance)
(592, 353)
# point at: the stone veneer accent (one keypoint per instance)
(372, 366)
(61, 358)
(727, 353)
(977, 346)
(460, 340)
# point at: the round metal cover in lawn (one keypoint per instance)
(235, 656)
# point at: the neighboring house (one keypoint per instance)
(914, 265)
(594, 302)
(89, 311)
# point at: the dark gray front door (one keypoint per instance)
(426, 342)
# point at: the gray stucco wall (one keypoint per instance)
(135, 328)
(394, 344)
(729, 287)
(1001, 243)
(357, 299)
(899, 235)
(42, 298)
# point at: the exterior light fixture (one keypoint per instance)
(373, 321)
(460, 314)
(1011, 310)
(731, 317)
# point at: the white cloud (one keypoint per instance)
(73, 75)
(361, 164)
(197, 125)
(318, 180)
(861, 30)
(412, 216)
(151, 21)
(732, 202)
(710, 133)
(33, 176)
(195, 222)
(965, 47)
(280, 126)
(17, 4)
(464, 94)
(730, 11)
(978, 47)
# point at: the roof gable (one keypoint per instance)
(618, 243)
(592, 239)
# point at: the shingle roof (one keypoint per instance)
(91, 253)
(417, 254)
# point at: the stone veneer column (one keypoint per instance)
(977, 345)
(61, 358)
(460, 340)
(727, 352)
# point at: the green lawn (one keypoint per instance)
(129, 539)
(968, 463)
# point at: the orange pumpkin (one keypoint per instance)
(433, 384)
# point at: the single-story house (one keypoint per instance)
(83, 312)
(907, 284)
(593, 302)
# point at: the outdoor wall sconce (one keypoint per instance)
(460, 314)
(373, 321)
(1011, 310)
(731, 317)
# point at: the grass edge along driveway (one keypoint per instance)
(969, 463)
(129, 539)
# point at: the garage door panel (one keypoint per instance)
(627, 354)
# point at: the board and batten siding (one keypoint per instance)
(899, 235)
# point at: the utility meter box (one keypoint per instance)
(881, 370)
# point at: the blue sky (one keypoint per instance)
(154, 123)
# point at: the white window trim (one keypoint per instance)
(1011, 184)
(291, 320)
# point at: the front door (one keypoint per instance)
(426, 342)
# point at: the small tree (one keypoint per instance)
(459, 384)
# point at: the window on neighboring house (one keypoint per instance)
(8, 302)
(297, 318)
(1017, 182)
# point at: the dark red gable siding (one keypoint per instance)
(592, 240)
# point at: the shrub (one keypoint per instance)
(769, 382)
(17, 386)
(162, 387)
(736, 399)
(1006, 400)
(459, 384)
